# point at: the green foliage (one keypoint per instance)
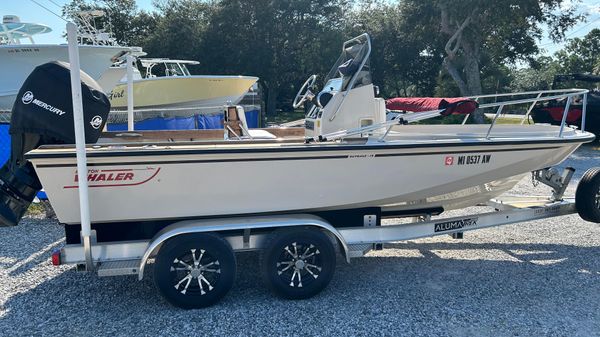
(539, 76)
(580, 55)
(482, 33)
(127, 24)
(179, 30)
(414, 53)
(402, 63)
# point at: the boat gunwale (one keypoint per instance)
(360, 144)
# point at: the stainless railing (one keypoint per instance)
(540, 96)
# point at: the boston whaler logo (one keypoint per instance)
(117, 177)
(96, 122)
(454, 224)
(28, 98)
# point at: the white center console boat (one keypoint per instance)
(353, 159)
(176, 195)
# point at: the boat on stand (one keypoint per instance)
(178, 196)
(19, 59)
(168, 83)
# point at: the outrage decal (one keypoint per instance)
(117, 177)
(454, 224)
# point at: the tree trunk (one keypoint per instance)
(473, 77)
(271, 100)
(468, 79)
(455, 73)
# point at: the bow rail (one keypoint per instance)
(540, 96)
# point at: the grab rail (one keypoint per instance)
(419, 116)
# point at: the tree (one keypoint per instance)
(580, 55)
(179, 30)
(402, 63)
(539, 76)
(128, 25)
(280, 41)
(502, 30)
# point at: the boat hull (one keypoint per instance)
(18, 61)
(209, 180)
(183, 92)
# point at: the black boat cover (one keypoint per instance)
(43, 114)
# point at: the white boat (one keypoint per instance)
(19, 59)
(168, 83)
(350, 158)
(189, 199)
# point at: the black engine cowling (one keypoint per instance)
(43, 114)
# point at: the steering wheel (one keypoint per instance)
(304, 93)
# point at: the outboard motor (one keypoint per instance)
(43, 114)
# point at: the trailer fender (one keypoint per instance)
(231, 224)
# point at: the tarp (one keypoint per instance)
(455, 105)
(5, 150)
(4, 142)
(186, 123)
(158, 123)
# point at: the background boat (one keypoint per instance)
(19, 60)
(168, 83)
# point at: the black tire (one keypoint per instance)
(195, 270)
(587, 196)
(298, 263)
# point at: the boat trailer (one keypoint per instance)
(297, 245)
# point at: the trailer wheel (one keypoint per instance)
(195, 270)
(587, 196)
(298, 263)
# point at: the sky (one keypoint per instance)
(29, 11)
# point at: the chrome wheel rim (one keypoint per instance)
(299, 264)
(597, 200)
(195, 273)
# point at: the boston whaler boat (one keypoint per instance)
(178, 196)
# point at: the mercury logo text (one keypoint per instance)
(28, 98)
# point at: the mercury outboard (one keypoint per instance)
(43, 114)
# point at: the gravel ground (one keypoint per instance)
(528, 279)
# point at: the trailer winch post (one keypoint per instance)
(84, 205)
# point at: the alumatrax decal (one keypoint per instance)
(454, 224)
(476, 159)
(117, 177)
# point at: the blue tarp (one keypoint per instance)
(5, 150)
(4, 143)
(185, 123)
(252, 117)
(158, 123)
